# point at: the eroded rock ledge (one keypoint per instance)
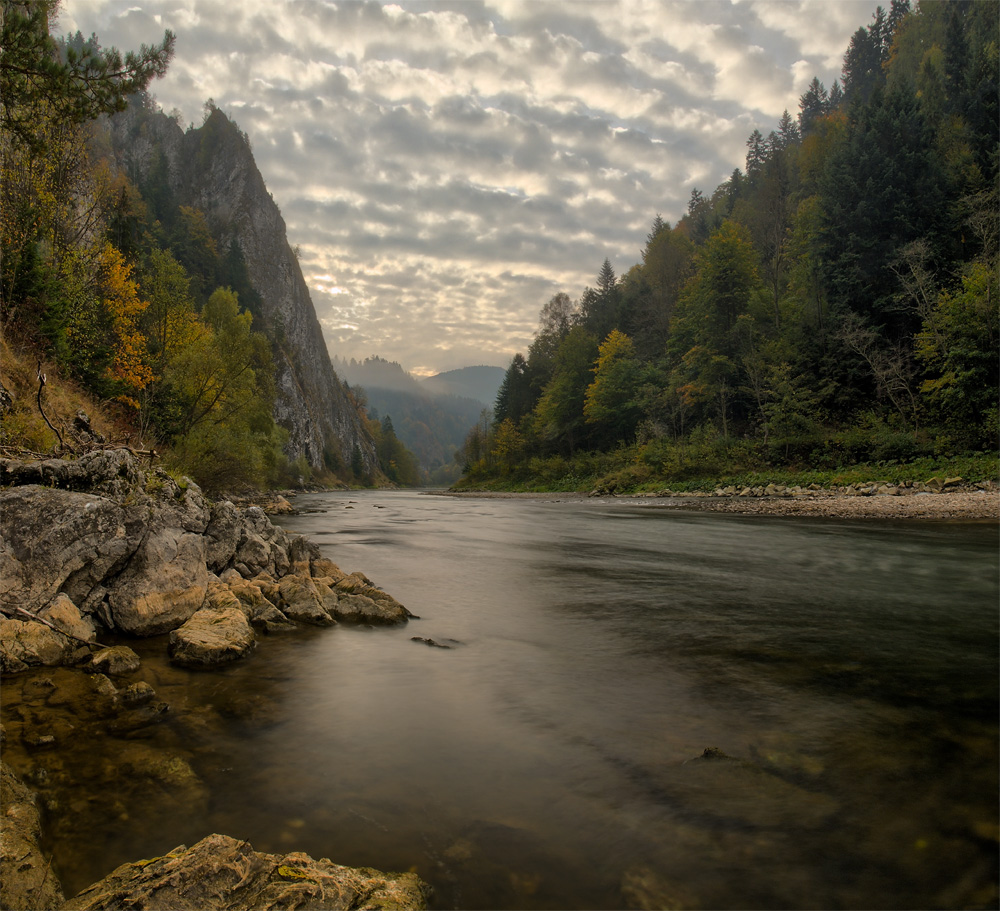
(96, 545)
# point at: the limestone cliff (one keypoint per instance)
(212, 169)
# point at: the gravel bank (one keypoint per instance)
(962, 503)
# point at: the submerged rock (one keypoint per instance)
(220, 873)
(117, 661)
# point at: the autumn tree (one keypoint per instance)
(611, 401)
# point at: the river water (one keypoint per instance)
(843, 676)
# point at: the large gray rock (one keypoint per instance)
(163, 585)
(211, 637)
(220, 873)
(27, 882)
(54, 541)
(224, 531)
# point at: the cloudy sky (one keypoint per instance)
(446, 167)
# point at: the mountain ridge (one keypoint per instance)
(212, 169)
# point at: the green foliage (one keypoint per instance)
(77, 85)
(611, 401)
(836, 304)
(558, 417)
(396, 462)
(960, 346)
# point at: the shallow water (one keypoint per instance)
(548, 758)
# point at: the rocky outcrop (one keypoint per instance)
(96, 545)
(212, 169)
(142, 553)
(223, 874)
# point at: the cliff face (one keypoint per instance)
(212, 169)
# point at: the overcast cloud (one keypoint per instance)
(446, 167)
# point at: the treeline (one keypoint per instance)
(833, 303)
(430, 425)
(105, 275)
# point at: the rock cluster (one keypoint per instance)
(97, 543)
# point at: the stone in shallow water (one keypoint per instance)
(220, 873)
(212, 637)
(117, 661)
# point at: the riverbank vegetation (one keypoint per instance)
(830, 312)
(116, 299)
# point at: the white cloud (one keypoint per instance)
(446, 170)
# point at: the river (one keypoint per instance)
(843, 677)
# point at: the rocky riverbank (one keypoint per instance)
(97, 547)
(936, 499)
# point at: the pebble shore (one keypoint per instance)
(936, 499)
(960, 505)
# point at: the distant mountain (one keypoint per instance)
(431, 424)
(479, 383)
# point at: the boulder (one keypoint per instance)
(26, 878)
(220, 873)
(212, 637)
(262, 547)
(25, 643)
(301, 600)
(220, 595)
(349, 608)
(54, 541)
(320, 567)
(272, 620)
(224, 530)
(62, 612)
(250, 597)
(117, 661)
(164, 584)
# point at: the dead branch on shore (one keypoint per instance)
(10, 613)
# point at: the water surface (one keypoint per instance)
(549, 757)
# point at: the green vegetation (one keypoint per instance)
(139, 316)
(830, 315)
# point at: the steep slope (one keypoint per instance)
(432, 425)
(212, 169)
(480, 383)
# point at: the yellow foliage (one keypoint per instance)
(120, 296)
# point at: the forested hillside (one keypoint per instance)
(148, 268)
(431, 425)
(833, 303)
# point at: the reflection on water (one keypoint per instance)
(845, 674)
